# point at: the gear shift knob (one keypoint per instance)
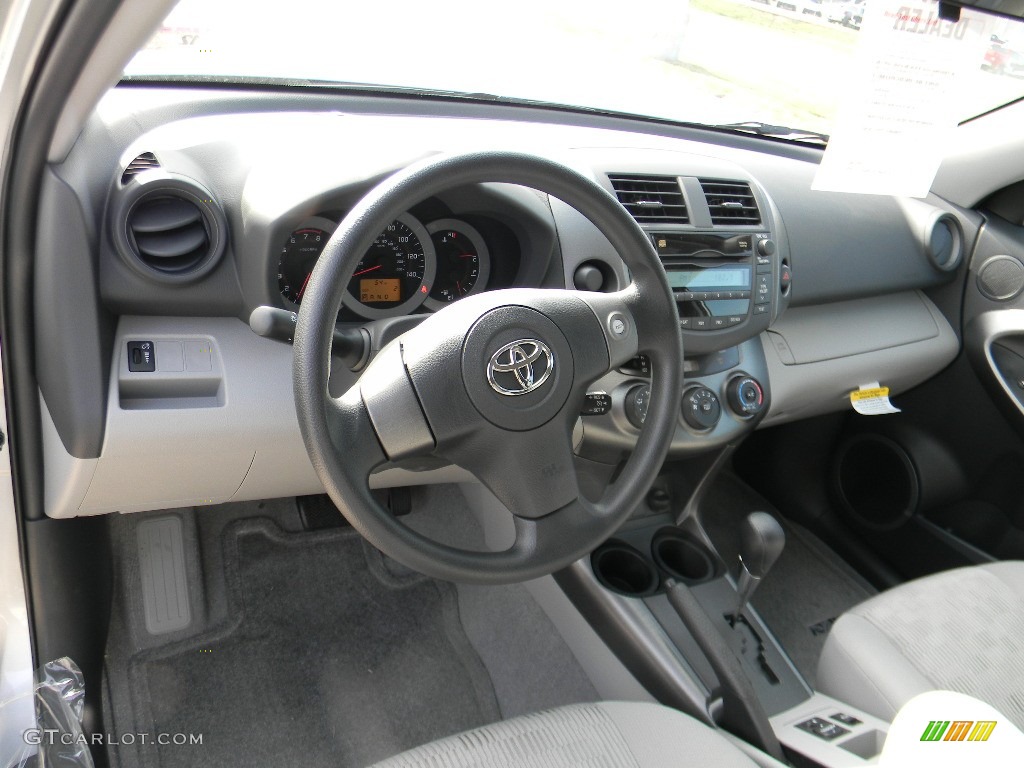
(761, 543)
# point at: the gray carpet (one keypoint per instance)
(312, 648)
(330, 660)
(530, 665)
(806, 590)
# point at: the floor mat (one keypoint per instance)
(806, 590)
(329, 659)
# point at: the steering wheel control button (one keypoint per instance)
(745, 396)
(596, 404)
(517, 367)
(701, 408)
(520, 367)
(618, 325)
(141, 356)
(637, 401)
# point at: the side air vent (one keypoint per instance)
(145, 162)
(169, 233)
(168, 227)
(731, 202)
(651, 199)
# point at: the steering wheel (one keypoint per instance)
(493, 383)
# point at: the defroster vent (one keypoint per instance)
(145, 162)
(730, 202)
(651, 199)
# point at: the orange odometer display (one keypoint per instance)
(381, 291)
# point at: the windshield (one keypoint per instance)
(779, 62)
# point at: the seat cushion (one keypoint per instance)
(960, 630)
(602, 735)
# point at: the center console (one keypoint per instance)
(628, 591)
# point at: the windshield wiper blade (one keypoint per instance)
(775, 131)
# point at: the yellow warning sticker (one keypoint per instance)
(867, 394)
(872, 400)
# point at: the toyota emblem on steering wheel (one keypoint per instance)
(520, 367)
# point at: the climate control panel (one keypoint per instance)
(724, 396)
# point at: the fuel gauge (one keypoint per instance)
(463, 262)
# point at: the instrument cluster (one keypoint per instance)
(410, 265)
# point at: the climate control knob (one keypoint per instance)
(745, 395)
(701, 408)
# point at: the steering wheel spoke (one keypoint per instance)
(617, 324)
(392, 405)
(532, 473)
(352, 434)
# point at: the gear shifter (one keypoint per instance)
(761, 543)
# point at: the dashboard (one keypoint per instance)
(180, 211)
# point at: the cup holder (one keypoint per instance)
(680, 557)
(621, 568)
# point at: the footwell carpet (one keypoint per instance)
(328, 659)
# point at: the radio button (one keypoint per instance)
(762, 309)
(701, 324)
(765, 268)
(736, 319)
(718, 322)
(741, 295)
(684, 322)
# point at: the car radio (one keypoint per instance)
(719, 279)
(725, 283)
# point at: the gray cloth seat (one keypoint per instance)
(602, 735)
(960, 630)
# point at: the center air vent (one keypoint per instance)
(730, 202)
(168, 227)
(651, 199)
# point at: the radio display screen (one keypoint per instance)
(715, 277)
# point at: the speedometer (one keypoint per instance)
(395, 275)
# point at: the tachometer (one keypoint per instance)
(395, 275)
(463, 262)
(299, 255)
